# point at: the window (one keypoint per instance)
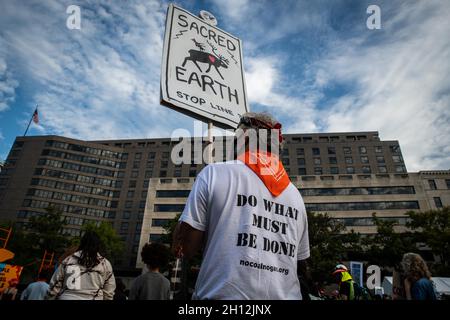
(192, 172)
(350, 170)
(121, 174)
(128, 204)
(168, 207)
(395, 149)
(134, 174)
(132, 184)
(300, 151)
(130, 194)
(366, 169)
(332, 160)
(432, 184)
(362, 150)
(316, 151)
(145, 184)
(163, 173)
(301, 161)
(437, 202)
(135, 164)
(285, 161)
(447, 181)
(142, 204)
(155, 237)
(380, 159)
(150, 164)
(138, 156)
(126, 215)
(151, 155)
(317, 161)
(378, 149)
(160, 222)
(177, 172)
(144, 194)
(331, 150)
(164, 164)
(397, 159)
(165, 155)
(382, 169)
(366, 205)
(349, 160)
(314, 192)
(347, 150)
(400, 169)
(364, 159)
(148, 174)
(302, 171)
(334, 170)
(317, 170)
(124, 226)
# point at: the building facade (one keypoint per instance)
(135, 186)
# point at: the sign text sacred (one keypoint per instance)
(202, 73)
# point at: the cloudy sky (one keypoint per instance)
(314, 64)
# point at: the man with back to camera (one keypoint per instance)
(251, 220)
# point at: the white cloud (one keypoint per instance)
(8, 84)
(401, 84)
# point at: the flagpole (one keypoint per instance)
(31, 119)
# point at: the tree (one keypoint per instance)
(433, 228)
(386, 247)
(112, 245)
(46, 231)
(329, 244)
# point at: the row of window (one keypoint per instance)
(86, 159)
(71, 197)
(348, 160)
(337, 206)
(76, 167)
(312, 192)
(368, 221)
(38, 204)
(78, 177)
(74, 187)
(370, 205)
(346, 150)
(348, 170)
(79, 148)
(433, 186)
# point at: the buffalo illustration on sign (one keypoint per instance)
(202, 72)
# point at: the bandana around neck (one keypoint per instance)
(268, 168)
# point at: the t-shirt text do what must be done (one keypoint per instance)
(258, 221)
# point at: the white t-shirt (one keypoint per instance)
(253, 239)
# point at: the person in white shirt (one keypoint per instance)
(250, 221)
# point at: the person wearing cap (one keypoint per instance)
(249, 219)
(345, 282)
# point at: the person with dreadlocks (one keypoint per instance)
(249, 219)
(84, 275)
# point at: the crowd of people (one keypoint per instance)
(249, 221)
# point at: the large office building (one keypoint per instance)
(135, 186)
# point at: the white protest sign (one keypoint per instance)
(202, 73)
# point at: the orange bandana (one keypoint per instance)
(268, 168)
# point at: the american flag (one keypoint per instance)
(35, 116)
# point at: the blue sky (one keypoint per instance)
(313, 64)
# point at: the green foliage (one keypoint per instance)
(112, 245)
(386, 247)
(45, 230)
(329, 244)
(433, 228)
